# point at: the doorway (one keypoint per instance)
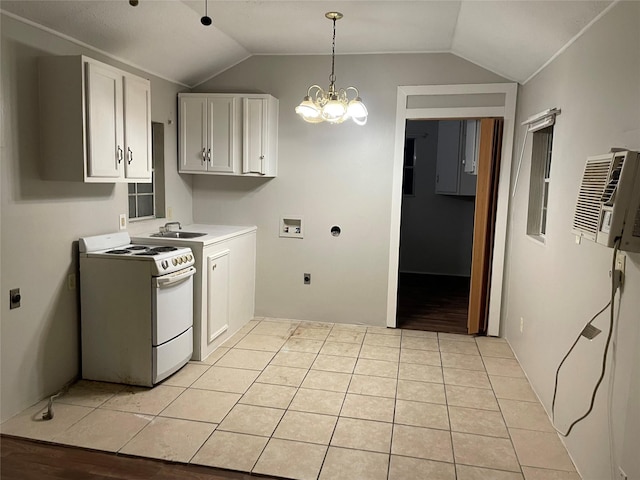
(457, 102)
(448, 214)
(436, 233)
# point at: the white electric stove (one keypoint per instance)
(136, 309)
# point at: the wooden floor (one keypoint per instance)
(435, 303)
(30, 460)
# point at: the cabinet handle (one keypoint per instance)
(204, 154)
(130, 155)
(119, 154)
(214, 266)
(209, 155)
(261, 157)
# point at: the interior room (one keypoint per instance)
(304, 369)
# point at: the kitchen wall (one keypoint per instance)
(331, 175)
(436, 233)
(41, 220)
(557, 287)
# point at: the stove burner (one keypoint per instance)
(137, 247)
(148, 252)
(119, 252)
(164, 249)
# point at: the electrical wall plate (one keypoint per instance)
(14, 298)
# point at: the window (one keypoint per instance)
(146, 200)
(142, 200)
(409, 164)
(539, 182)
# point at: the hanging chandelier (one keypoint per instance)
(333, 105)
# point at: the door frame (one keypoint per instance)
(451, 97)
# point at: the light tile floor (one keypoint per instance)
(309, 400)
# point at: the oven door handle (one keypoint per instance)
(178, 277)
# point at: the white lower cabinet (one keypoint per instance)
(226, 286)
(217, 295)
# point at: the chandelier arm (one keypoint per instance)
(312, 87)
(354, 89)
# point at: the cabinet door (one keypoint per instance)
(448, 157)
(221, 117)
(217, 294)
(105, 147)
(137, 129)
(254, 147)
(193, 134)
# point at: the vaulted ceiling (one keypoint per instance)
(513, 38)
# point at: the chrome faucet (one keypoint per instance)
(166, 226)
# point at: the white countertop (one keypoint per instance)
(214, 234)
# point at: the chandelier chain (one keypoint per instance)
(332, 77)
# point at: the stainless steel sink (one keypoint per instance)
(178, 234)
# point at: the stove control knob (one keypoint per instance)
(180, 260)
(190, 257)
(174, 261)
(165, 264)
(184, 258)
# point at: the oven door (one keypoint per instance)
(172, 305)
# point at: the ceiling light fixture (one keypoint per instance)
(206, 20)
(332, 106)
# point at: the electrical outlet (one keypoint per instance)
(14, 298)
(123, 221)
(521, 324)
(307, 279)
(169, 213)
(620, 266)
(71, 281)
(621, 474)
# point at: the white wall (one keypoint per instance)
(557, 287)
(330, 174)
(436, 233)
(42, 219)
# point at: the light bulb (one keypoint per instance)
(333, 110)
(308, 110)
(357, 111)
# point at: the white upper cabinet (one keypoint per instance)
(95, 122)
(137, 129)
(456, 152)
(105, 137)
(228, 134)
(207, 128)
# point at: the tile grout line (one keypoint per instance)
(501, 413)
(446, 399)
(395, 404)
(344, 399)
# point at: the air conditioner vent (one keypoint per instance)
(594, 182)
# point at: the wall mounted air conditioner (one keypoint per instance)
(608, 205)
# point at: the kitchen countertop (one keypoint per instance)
(214, 234)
